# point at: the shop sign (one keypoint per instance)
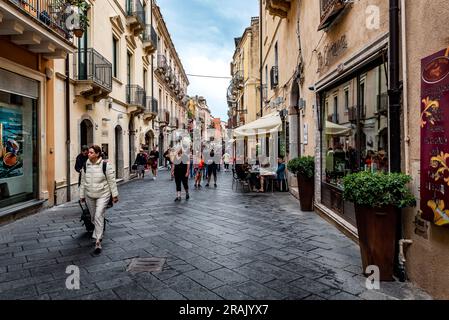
(435, 138)
(330, 54)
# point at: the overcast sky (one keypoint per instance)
(203, 32)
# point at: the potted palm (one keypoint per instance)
(304, 168)
(377, 198)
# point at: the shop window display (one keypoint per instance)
(355, 133)
(18, 156)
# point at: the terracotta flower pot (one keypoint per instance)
(78, 32)
(377, 238)
(306, 188)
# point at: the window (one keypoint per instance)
(335, 114)
(128, 68)
(347, 100)
(114, 57)
(18, 139)
(145, 79)
(276, 55)
(360, 143)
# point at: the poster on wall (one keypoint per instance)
(11, 139)
(435, 138)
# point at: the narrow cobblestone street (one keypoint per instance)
(221, 244)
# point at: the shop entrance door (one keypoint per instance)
(119, 161)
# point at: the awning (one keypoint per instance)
(267, 124)
(337, 130)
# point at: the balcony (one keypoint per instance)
(135, 16)
(162, 66)
(173, 81)
(151, 109)
(149, 40)
(265, 92)
(382, 104)
(352, 114)
(38, 25)
(93, 75)
(278, 8)
(135, 98)
(169, 75)
(230, 95)
(238, 79)
(330, 10)
(274, 76)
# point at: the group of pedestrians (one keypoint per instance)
(144, 161)
(98, 187)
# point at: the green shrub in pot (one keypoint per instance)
(378, 198)
(377, 190)
(302, 166)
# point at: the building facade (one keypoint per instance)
(30, 44)
(117, 96)
(338, 61)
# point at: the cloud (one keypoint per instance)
(203, 32)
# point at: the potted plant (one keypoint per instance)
(377, 198)
(82, 7)
(304, 169)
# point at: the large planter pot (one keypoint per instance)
(377, 238)
(306, 188)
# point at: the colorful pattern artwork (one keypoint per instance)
(11, 143)
(435, 138)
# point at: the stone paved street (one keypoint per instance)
(221, 244)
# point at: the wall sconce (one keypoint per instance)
(110, 100)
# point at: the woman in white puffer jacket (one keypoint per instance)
(96, 189)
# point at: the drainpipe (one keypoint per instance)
(261, 58)
(405, 86)
(394, 94)
(67, 125)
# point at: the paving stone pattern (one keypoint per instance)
(221, 244)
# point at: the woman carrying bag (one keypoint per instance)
(98, 188)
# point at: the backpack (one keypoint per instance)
(110, 203)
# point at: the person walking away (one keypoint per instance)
(180, 171)
(153, 160)
(226, 161)
(141, 161)
(199, 173)
(166, 156)
(80, 162)
(212, 169)
(98, 185)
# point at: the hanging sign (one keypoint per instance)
(435, 138)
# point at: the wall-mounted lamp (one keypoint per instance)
(110, 100)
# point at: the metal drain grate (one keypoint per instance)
(146, 265)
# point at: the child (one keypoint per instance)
(198, 173)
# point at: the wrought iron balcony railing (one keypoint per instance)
(134, 8)
(135, 95)
(152, 105)
(51, 13)
(162, 65)
(89, 65)
(238, 77)
(150, 37)
(330, 10)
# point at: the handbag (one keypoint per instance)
(134, 167)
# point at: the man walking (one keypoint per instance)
(141, 161)
(81, 160)
(226, 160)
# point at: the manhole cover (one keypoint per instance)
(146, 265)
